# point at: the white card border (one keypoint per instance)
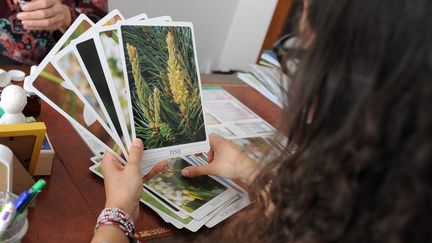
(175, 150)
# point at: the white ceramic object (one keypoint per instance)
(6, 158)
(4, 78)
(16, 75)
(13, 100)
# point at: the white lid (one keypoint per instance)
(17, 75)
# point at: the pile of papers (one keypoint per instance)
(268, 78)
(119, 78)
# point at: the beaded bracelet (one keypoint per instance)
(117, 218)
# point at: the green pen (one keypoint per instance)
(33, 191)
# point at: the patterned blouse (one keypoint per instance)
(30, 47)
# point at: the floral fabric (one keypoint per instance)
(30, 47)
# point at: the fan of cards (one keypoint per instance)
(118, 79)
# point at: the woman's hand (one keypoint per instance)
(225, 160)
(46, 15)
(124, 184)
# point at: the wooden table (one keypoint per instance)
(67, 208)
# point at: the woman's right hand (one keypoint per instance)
(225, 160)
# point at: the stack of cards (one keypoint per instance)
(118, 79)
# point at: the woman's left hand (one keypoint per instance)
(46, 15)
(124, 183)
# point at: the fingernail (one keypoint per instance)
(137, 143)
(185, 172)
(19, 15)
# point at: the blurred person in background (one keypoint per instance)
(29, 29)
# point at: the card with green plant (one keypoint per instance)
(194, 196)
(164, 83)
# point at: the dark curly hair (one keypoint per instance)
(362, 170)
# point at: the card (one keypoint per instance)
(47, 83)
(69, 68)
(188, 223)
(138, 17)
(111, 18)
(93, 144)
(229, 111)
(82, 95)
(195, 197)
(259, 149)
(196, 224)
(222, 131)
(262, 150)
(165, 88)
(166, 204)
(66, 63)
(231, 119)
(94, 75)
(109, 51)
(242, 200)
(96, 159)
(88, 58)
(229, 210)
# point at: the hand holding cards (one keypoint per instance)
(119, 79)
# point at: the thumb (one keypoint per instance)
(135, 152)
(193, 171)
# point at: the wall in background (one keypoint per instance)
(229, 33)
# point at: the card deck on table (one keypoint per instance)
(195, 197)
(172, 215)
(238, 204)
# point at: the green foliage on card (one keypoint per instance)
(188, 193)
(164, 85)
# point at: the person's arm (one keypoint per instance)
(51, 15)
(225, 160)
(108, 234)
(123, 189)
